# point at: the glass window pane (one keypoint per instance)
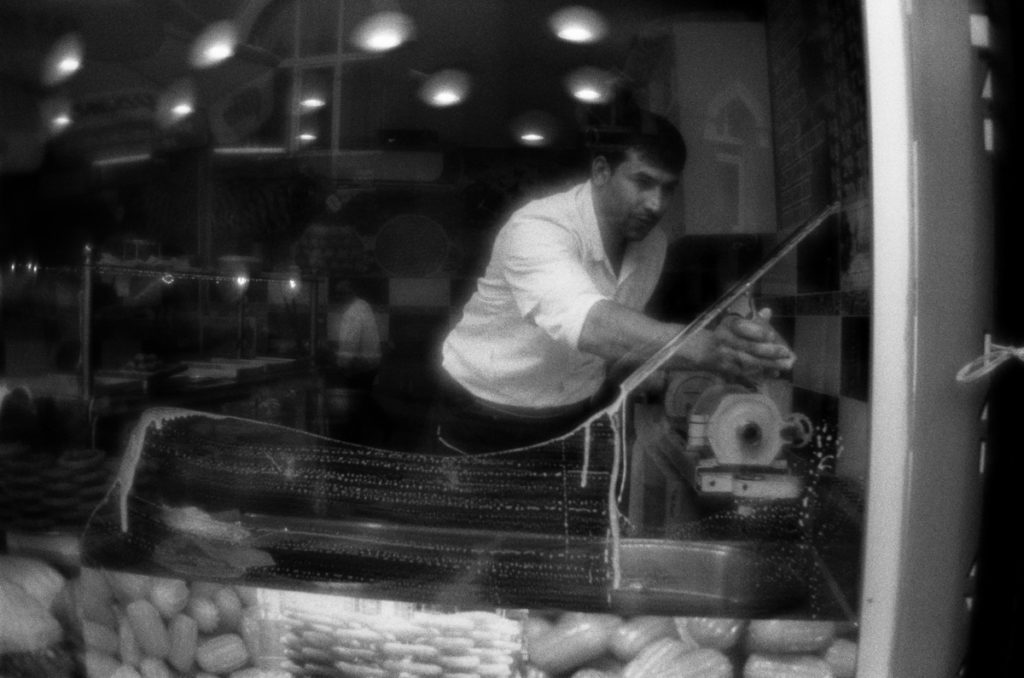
(363, 87)
(314, 109)
(274, 31)
(318, 21)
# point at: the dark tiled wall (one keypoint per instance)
(820, 294)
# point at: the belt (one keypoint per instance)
(454, 388)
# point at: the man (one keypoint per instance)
(354, 338)
(560, 304)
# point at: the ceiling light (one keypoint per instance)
(56, 114)
(384, 31)
(445, 88)
(578, 24)
(63, 60)
(69, 65)
(445, 98)
(535, 128)
(218, 52)
(127, 159)
(176, 102)
(590, 85)
(312, 103)
(307, 137)
(215, 44)
(248, 150)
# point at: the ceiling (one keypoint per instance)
(134, 45)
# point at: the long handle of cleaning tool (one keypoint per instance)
(701, 322)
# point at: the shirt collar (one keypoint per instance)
(635, 251)
(591, 231)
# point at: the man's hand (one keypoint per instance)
(745, 347)
(749, 347)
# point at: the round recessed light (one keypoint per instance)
(383, 31)
(590, 85)
(63, 60)
(445, 88)
(216, 43)
(578, 24)
(177, 101)
(56, 114)
(535, 128)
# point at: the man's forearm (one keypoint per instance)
(625, 337)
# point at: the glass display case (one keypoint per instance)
(821, 524)
(513, 563)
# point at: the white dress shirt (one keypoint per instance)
(355, 331)
(516, 343)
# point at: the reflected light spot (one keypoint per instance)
(576, 34)
(56, 112)
(218, 52)
(446, 98)
(63, 60)
(590, 85)
(535, 128)
(312, 103)
(383, 31)
(445, 88)
(215, 44)
(578, 24)
(176, 102)
(69, 65)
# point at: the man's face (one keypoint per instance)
(633, 197)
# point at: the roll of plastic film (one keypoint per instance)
(745, 430)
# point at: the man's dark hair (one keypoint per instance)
(652, 137)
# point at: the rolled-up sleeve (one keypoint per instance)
(544, 266)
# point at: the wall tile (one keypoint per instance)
(818, 356)
(818, 303)
(418, 333)
(383, 325)
(855, 434)
(785, 326)
(856, 357)
(780, 306)
(781, 392)
(855, 302)
(855, 246)
(419, 292)
(781, 280)
(461, 290)
(818, 260)
(373, 290)
(822, 409)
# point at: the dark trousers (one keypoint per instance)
(473, 426)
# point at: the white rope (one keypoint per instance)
(994, 356)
